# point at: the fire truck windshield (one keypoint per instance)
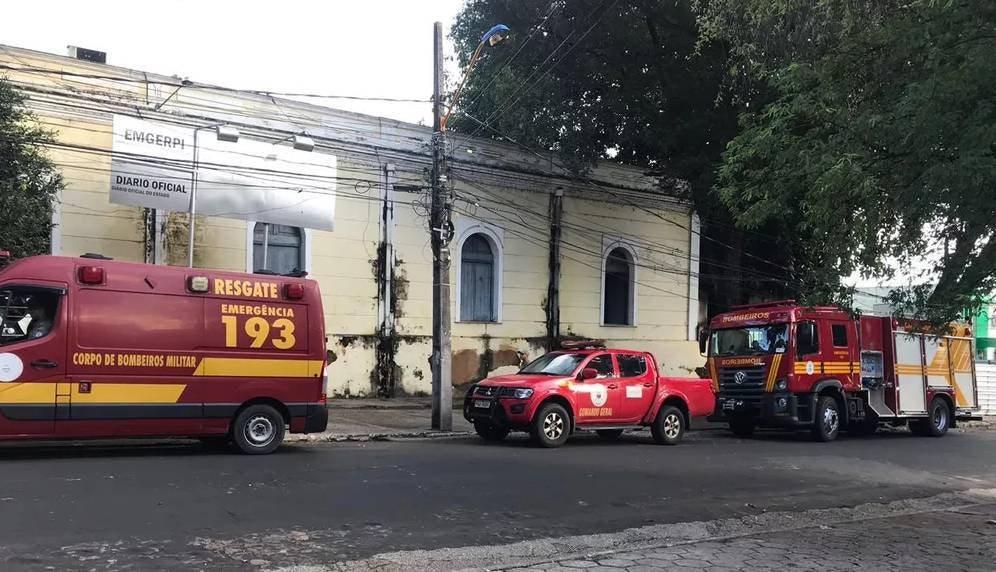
(755, 340)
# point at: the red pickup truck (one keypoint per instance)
(587, 387)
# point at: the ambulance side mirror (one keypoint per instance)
(588, 373)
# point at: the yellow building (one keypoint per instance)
(628, 247)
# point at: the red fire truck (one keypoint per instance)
(95, 348)
(784, 365)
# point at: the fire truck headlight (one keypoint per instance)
(781, 385)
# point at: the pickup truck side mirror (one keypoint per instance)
(588, 373)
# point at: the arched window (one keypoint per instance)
(617, 290)
(477, 280)
(277, 248)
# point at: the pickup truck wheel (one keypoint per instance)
(742, 427)
(669, 426)
(490, 432)
(827, 422)
(609, 434)
(937, 422)
(551, 426)
(258, 430)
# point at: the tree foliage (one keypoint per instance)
(621, 80)
(877, 145)
(29, 181)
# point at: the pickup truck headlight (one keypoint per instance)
(781, 385)
(516, 392)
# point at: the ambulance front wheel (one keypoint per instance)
(258, 430)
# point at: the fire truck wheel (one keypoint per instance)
(938, 422)
(490, 432)
(551, 426)
(742, 426)
(827, 419)
(669, 426)
(609, 434)
(258, 430)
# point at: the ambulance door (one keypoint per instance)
(32, 357)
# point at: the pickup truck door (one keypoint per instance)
(637, 386)
(598, 399)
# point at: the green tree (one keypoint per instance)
(619, 80)
(876, 146)
(29, 181)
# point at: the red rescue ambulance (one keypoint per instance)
(95, 348)
(786, 365)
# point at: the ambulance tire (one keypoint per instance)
(669, 426)
(490, 432)
(938, 422)
(827, 422)
(258, 430)
(551, 426)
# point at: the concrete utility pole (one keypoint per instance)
(439, 221)
(553, 287)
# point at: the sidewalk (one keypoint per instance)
(379, 419)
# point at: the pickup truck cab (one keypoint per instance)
(587, 387)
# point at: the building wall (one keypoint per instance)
(499, 190)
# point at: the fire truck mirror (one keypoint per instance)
(703, 340)
(701, 372)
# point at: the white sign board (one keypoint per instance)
(152, 166)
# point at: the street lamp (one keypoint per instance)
(223, 133)
(492, 37)
(440, 215)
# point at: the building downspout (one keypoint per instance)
(553, 287)
(385, 378)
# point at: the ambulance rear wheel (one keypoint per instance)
(258, 430)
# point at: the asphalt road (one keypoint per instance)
(181, 506)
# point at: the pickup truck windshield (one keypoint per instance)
(758, 340)
(555, 364)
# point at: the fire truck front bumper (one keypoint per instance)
(767, 410)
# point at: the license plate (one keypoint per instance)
(482, 404)
(729, 405)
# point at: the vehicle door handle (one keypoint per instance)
(613, 386)
(44, 364)
(648, 384)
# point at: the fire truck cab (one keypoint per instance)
(784, 365)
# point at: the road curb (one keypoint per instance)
(365, 437)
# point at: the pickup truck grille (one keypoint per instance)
(486, 391)
(752, 382)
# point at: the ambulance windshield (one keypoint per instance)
(755, 340)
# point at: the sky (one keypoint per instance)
(379, 48)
